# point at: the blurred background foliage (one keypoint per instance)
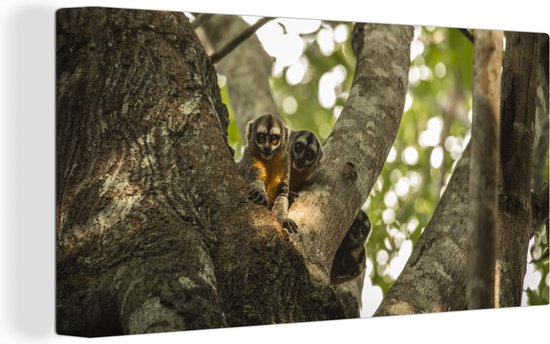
(311, 77)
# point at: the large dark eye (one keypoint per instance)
(310, 155)
(260, 138)
(274, 139)
(299, 148)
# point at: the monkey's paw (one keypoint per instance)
(289, 225)
(258, 196)
(292, 197)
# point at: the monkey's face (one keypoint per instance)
(267, 143)
(360, 228)
(305, 150)
(268, 134)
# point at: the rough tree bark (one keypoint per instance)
(435, 282)
(518, 106)
(150, 236)
(484, 169)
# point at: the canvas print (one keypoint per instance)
(219, 171)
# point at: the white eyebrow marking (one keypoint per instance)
(275, 131)
(261, 129)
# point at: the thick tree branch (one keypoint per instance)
(356, 149)
(247, 70)
(518, 106)
(484, 169)
(241, 37)
(432, 281)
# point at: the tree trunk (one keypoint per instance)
(518, 104)
(151, 236)
(484, 169)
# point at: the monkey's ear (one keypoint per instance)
(249, 132)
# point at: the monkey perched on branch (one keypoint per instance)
(306, 154)
(265, 165)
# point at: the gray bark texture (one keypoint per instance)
(150, 236)
(484, 169)
(518, 107)
(247, 69)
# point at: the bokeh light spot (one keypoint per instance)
(388, 216)
(436, 158)
(440, 70)
(290, 105)
(410, 155)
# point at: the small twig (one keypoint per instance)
(241, 37)
(467, 34)
(200, 19)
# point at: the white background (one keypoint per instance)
(27, 152)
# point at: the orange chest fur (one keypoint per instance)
(272, 172)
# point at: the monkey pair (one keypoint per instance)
(277, 163)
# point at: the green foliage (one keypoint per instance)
(433, 131)
(539, 263)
